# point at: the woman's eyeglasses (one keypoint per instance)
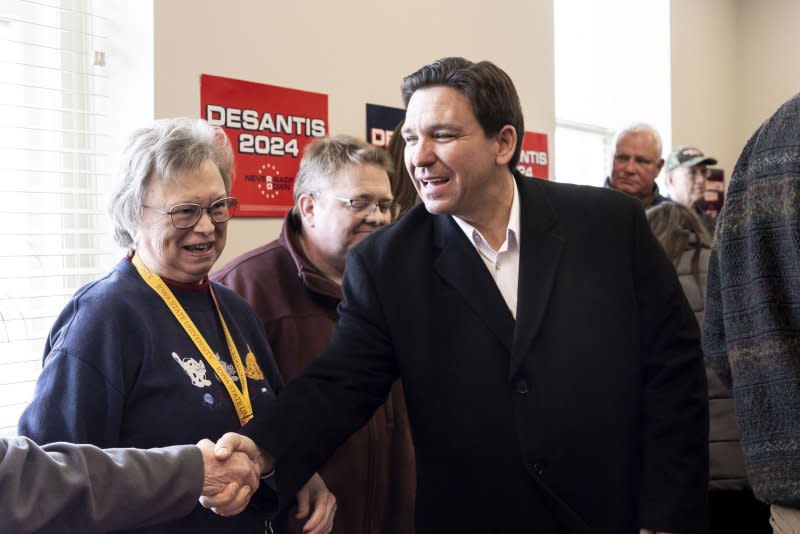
(186, 215)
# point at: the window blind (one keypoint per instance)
(54, 174)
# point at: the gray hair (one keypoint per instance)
(640, 128)
(325, 157)
(164, 150)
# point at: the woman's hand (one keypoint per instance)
(315, 494)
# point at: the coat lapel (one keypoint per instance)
(462, 268)
(540, 254)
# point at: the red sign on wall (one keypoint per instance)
(533, 159)
(268, 127)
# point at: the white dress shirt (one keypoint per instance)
(503, 263)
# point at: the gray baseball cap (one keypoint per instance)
(688, 156)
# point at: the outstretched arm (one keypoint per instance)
(68, 488)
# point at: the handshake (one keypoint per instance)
(232, 471)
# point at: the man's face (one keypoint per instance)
(687, 185)
(452, 161)
(331, 226)
(636, 165)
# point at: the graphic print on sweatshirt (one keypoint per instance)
(199, 375)
(196, 369)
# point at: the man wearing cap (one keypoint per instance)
(686, 174)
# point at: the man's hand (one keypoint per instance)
(228, 483)
(315, 493)
(232, 442)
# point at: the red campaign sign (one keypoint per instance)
(268, 127)
(533, 158)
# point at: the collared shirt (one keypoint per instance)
(503, 264)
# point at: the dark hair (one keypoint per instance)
(674, 225)
(402, 184)
(488, 89)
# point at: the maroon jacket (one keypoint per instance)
(372, 474)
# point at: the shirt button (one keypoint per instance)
(496, 266)
(537, 470)
(522, 386)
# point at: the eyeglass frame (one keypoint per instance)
(207, 209)
(373, 205)
(393, 209)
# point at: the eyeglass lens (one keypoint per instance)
(187, 215)
(362, 204)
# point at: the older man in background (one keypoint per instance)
(636, 164)
(342, 193)
(686, 174)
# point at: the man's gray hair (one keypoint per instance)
(163, 151)
(325, 157)
(640, 128)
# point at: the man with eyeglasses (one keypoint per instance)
(686, 175)
(636, 163)
(342, 193)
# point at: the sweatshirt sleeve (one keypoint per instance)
(72, 402)
(79, 395)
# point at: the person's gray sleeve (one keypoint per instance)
(65, 488)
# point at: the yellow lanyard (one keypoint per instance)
(241, 399)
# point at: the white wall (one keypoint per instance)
(769, 59)
(356, 51)
(704, 66)
(733, 63)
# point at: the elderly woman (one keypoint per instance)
(153, 354)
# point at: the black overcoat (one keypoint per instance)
(586, 414)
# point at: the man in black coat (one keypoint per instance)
(550, 361)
